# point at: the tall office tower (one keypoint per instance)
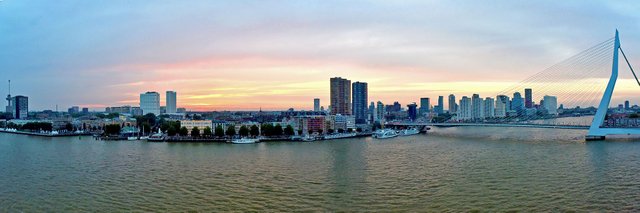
(489, 108)
(424, 105)
(517, 103)
(412, 111)
(452, 104)
(440, 109)
(316, 104)
(551, 104)
(528, 98)
(626, 104)
(477, 107)
(379, 111)
(501, 109)
(360, 99)
(150, 103)
(504, 99)
(396, 107)
(340, 96)
(464, 111)
(171, 102)
(19, 107)
(372, 112)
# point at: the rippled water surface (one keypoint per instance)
(452, 169)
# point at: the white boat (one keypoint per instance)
(132, 138)
(409, 131)
(385, 133)
(308, 139)
(245, 140)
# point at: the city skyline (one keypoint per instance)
(263, 53)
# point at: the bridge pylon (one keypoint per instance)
(596, 131)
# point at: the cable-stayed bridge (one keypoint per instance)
(573, 94)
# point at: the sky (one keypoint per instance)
(247, 55)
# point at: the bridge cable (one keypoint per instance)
(634, 73)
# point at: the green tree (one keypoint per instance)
(184, 131)
(219, 132)
(244, 131)
(267, 129)
(112, 129)
(358, 129)
(231, 131)
(277, 130)
(289, 130)
(330, 131)
(255, 131)
(172, 131)
(68, 127)
(320, 131)
(195, 132)
(207, 132)
(310, 132)
(340, 130)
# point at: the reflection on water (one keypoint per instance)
(451, 169)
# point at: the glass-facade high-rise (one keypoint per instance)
(412, 111)
(340, 97)
(316, 104)
(452, 104)
(171, 102)
(424, 105)
(528, 98)
(150, 103)
(360, 100)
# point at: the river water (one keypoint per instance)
(449, 170)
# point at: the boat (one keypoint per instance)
(339, 135)
(245, 140)
(385, 133)
(308, 139)
(409, 131)
(154, 137)
(132, 138)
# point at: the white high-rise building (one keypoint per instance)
(551, 104)
(501, 109)
(316, 104)
(171, 102)
(489, 108)
(150, 103)
(477, 107)
(464, 109)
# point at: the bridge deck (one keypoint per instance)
(547, 126)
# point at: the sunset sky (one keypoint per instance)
(243, 55)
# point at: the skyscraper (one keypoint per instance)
(452, 104)
(360, 99)
(517, 103)
(504, 99)
(150, 103)
(316, 104)
(171, 102)
(489, 107)
(372, 112)
(501, 108)
(412, 111)
(424, 105)
(379, 111)
(19, 107)
(464, 111)
(528, 98)
(340, 96)
(477, 107)
(440, 108)
(626, 105)
(551, 104)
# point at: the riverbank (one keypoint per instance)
(73, 134)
